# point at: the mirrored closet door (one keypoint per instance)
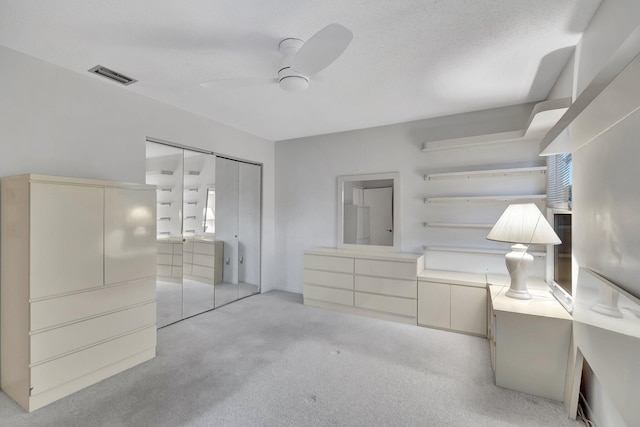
(238, 222)
(208, 231)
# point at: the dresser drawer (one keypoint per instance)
(78, 306)
(391, 269)
(55, 342)
(394, 305)
(392, 287)
(330, 279)
(75, 365)
(164, 259)
(336, 296)
(165, 248)
(203, 248)
(163, 270)
(328, 263)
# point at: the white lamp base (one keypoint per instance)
(518, 263)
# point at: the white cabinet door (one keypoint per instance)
(130, 235)
(469, 309)
(66, 240)
(434, 304)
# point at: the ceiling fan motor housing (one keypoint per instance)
(289, 79)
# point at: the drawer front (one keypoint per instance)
(200, 271)
(203, 248)
(75, 365)
(392, 287)
(177, 248)
(165, 248)
(328, 263)
(76, 307)
(203, 260)
(391, 269)
(395, 305)
(55, 342)
(330, 279)
(336, 296)
(164, 259)
(163, 270)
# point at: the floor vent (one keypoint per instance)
(112, 75)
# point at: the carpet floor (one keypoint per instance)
(268, 360)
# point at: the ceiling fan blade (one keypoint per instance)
(322, 49)
(237, 83)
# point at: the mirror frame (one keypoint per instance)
(395, 176)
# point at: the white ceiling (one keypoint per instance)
(409, 59)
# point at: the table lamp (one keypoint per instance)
(522, 224)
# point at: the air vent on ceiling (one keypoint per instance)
(112, 75)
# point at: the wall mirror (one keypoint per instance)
(369, 211)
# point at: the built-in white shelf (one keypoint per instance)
(190, 217)
(478, 250)
(194, 173)
(611, 95)
(164, 218)
(457, 225)
(167, 189)
(192, 203)
(543, 117)
(191, 189)
(535, 170)
(481, 199)
(164, 203)
(160, 172)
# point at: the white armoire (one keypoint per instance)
(78, 300)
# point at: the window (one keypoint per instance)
(559, 181)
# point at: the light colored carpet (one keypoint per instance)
(268, 360)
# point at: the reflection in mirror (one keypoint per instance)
(210, 212)
(368, 214)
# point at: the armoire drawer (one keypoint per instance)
(329, 279)
(336, 296)
(390, 269)
(58, 341)
(56, 311)
(385, 286)
(75, 365)
(394, 305)
(328, 263)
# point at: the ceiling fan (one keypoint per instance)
(304, 59)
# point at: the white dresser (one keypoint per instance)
(381, 285)
(203, 259)
(170, 260)
(78, 283)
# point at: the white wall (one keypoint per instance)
(606, 200)
(307, 171)
(55, 121)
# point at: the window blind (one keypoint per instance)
(559, 173)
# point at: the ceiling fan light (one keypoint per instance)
(294, 83)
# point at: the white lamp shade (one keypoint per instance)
(525, 224)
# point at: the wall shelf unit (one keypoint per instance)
(535, 170)
(160, 172)
(165, 189)
(543, 117)
(484, 199)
